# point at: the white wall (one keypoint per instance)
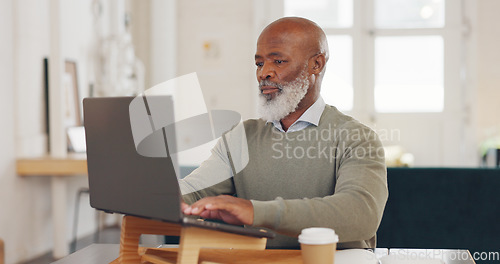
(170, 37)
(23, 200)
(225, 69)
(216, 40)
(78, 40)
(487, 51)
(141, 34)
(25, 208)
(154, 34)
(8, 182)
(31, 28)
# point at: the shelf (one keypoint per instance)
(75, 164)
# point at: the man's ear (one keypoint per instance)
(318, 63)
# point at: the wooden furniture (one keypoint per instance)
(192, 240)
(58, 169)
(233, 256)
(106, 253)
(48, 166)
(2, 252)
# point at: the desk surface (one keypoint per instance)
(73, 164)
(93, 254)
(106, 253)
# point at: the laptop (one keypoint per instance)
(123, 181)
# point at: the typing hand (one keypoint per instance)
(229, 209)
(184, 206)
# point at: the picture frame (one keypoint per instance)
(72, 118)
(47, 105)
(72, 115)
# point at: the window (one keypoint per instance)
(409, 14)
(327, 13)
(336, 88)
(409, 74)
(400, 60)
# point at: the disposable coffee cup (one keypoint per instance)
(318, 245)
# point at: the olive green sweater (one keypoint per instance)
(332, 175)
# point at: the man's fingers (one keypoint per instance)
(227, 208)
(211, 206)
(210, 214)
(197, 208)
(184, 206)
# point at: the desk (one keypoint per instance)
(58, 169)
(93, 254)
(106, 253)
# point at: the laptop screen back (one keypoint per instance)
(120, 179)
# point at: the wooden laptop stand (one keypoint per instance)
(192, 239)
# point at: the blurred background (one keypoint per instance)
(424, 74)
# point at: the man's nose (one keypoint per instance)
(266, 72)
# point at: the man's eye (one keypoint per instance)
(259, 64)
(279, 61)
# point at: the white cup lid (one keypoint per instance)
(318, 236)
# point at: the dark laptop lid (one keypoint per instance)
(120, 179)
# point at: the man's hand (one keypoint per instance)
(229, 209)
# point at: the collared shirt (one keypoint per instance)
(310, 117)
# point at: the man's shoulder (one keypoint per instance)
(257, 129)
(339, 120)
(332, 115)
(254, 124)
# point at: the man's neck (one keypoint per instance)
(288, 120)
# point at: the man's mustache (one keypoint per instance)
(270, 83)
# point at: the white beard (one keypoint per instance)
(286, 101)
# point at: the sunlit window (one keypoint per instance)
(407, 68)
(409, 74)
(327, 13)
(409, 14)
(336, 88)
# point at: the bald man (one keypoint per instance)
(309, 165)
